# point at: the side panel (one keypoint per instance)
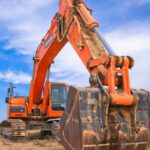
(17, 108)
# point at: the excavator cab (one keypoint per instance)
(57, 99)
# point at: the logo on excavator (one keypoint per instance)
(49, 40)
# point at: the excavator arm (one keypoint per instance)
(74, 23)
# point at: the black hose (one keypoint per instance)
(59, 27)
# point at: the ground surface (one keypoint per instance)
(46, 144)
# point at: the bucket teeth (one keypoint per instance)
(89, 123)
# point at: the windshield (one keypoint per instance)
(59, 96)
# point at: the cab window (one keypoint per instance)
(59, 96)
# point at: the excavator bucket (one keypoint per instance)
(90, 123)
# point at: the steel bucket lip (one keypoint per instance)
(116, 144)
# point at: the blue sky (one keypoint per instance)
(125, 25)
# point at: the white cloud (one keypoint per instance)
(69, 68)
(25, 23)
(140, 73)
(137, 2)
(122, 7)
(15, 9)
(18, 77)
(132, 37)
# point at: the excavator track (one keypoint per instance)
(90, 123)
(19, 129)
(13, 129)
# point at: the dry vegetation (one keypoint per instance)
(46, 144)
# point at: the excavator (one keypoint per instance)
(107, 115)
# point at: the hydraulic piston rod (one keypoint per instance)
(104, 42)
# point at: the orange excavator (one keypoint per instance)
(107, 115)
